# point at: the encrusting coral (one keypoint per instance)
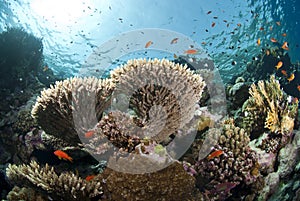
(71, 107)
(66, 186)
(25, 194)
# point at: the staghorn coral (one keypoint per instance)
(25, 194)
(64, 186)
(269, 107)
(161, 93)
(237, 165)
(72, 106)
(160, 185)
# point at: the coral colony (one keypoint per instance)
(256, 150)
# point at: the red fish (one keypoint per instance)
(284, 73)
(190, 51)
(273, 40)
(89, 177)
(298, 87)
(215, 154)
(63, 155)
(174, 41)
(285, 46)
(213, 24)
(89, 134)
(148, 44)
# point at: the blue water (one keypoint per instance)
(72, 30)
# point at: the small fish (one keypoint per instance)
(63, 155)
(148, 44)
(273, 40)
(278, 23)
(213, 24)
(258, 42)
(190, 51)
(279, 65)
(298, 87)
(89, 177)
(215, 17)
(225, 187)
(175, 56)
(89, 134)
(174, 41)
(284, 73)
(209, 12)
(239, 24)
(225, 21)
(284, 34)
(295, 100)
(267, 52)
(45, 68)
(215, 154)
(291, 78)
(261, 28)
(285, 46)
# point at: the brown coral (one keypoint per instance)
(66, 185)
(71, 107)
(162, 94)
(171, 183)
(25, 194)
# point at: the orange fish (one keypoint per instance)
(267, 52)
(63, 155)
(285, 46)
(278, 23)
(213, 24)
(89, 134)
(190, 51)
(284, 34)
(239, 24)
(148, 44)
(295, 100)
(279, 65)
(174, 41)
(284, 73)
(298, 87)
(258, 42)
(291, 78)
(215, 154)
(273, 40)
(89, 177)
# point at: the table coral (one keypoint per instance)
(72, 106)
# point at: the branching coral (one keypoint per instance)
(237, 163)
(25, 194)
(66, 185)
(162, 94)
(269, 107)
(71, 107)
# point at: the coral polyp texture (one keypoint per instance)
(269, 108)
(72, 106)
(65, 185)
(162, 94)
(231, 162)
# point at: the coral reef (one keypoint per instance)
(268, 107)
(26, 194)
(71, 107)
(161, 185)
(66, 186)
(161, 93)
(236, 165)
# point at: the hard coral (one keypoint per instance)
(171, 183)
(161, 93)
(71, 107)
(269, 107)
(26, 194)
(66, 185)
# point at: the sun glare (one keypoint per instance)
(60, 11)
